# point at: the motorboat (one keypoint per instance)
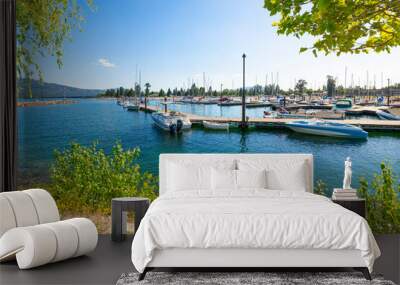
(215, 125)
(271, 114)
(132, 107)
(171, 121)
(330, 129)
(343, 103)
(386, 115)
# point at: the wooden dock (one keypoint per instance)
(366, 124)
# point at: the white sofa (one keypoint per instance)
(31, 230)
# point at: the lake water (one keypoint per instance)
(45, 128)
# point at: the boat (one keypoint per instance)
(271, 114)
(330, 129)
(215, 125)
(386, 115)
(171, 121)
(343, 103)
(132, 106)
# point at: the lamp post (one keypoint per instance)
(244, 123)
(388, 98)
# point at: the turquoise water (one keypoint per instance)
(45, 128)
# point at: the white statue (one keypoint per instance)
(347, 174)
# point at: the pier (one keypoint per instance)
(366, 124)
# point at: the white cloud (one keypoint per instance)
(106, 63)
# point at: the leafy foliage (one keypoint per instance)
(383, 201)
(340, 26)
(300, 86)
(42, 28)
(330, 85)
(321, 188)
(86, 179)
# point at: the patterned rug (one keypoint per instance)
(243, 278)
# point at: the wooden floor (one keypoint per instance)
(103, 266)
(110, 259)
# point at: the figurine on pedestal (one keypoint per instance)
(347, 174)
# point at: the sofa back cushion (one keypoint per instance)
(26, 208)
(282, 171)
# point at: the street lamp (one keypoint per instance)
(244, 123)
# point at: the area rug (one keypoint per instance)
(244, 278)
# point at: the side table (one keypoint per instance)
(119, 209)
(356, 205)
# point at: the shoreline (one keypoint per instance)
(45, 103)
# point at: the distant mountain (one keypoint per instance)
(53, 90)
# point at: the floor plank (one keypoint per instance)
(102, 266)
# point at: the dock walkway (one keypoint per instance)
(366, 124)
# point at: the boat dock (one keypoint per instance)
(366, 124)
(248, 105)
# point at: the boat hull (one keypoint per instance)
(133, 108)
(387, 116)
(339, 131)
(215, 126)
(173, 126)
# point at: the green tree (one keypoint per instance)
(383, 201)
(42, 28)
(161, 93)
(130, 92)
(300, 86)
(137, 89)
(121, 91)
(330, 86)
(169, 92)
(147, 89)
(340, 26)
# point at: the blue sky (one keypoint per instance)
(173, 42)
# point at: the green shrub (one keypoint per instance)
(383, 201)
(321, 188)
(86, 179)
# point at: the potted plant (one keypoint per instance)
(382, 197)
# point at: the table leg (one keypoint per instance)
(116, 224)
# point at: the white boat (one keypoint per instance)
(386, 115)
(344, 103)
(330, 129)
(171, 121)
(271, 114)
(215, 125)
(132, 106)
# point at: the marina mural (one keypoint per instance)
(137, 80)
